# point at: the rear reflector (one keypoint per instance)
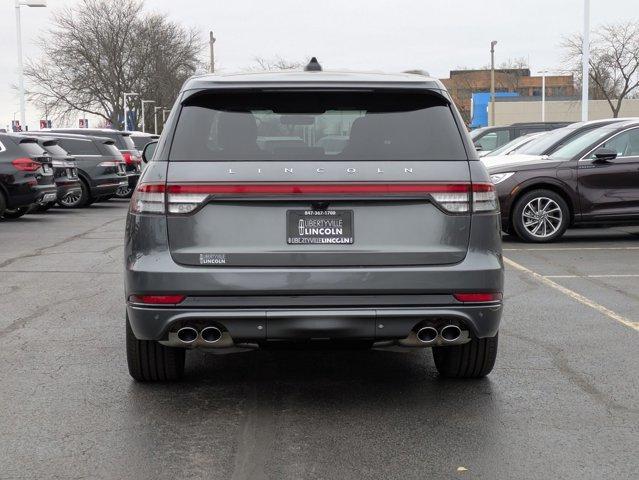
(157, 299)
(478, 297)
(185, 198)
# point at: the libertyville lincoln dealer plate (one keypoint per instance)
(319, 227)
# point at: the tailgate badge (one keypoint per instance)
(212, 258)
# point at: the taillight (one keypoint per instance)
(484, 197)
(109, 163)
(128, 158)
(182, 199)
(481, 297)
(148, 198)
(157, 299)
(26, 164)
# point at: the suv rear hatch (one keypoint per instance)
(398, 193)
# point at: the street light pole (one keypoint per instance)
(543, 94)
(143, 116)
(126, 108)
(492, 81)
(211, 42)
(155, 118)
(18, 4)
(585, 80)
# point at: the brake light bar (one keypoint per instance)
(481, 297)
(185, 198)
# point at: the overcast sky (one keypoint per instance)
(386, 35)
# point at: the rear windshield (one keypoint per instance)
(320, 125)
(32, 148)
(56, 150)
(128, 142)
(112, 150)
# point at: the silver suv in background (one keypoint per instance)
(234, 240)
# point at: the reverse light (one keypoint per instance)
(481, 297)
(157, 299)
(148, 198)
(25, 164)
(500, 177)
(484, 198)
(110, 163)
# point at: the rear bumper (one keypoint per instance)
(110, 186)
(261, 325)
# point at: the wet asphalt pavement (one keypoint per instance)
(562, 402)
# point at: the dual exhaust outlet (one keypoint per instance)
(429, 335)
(188, 335)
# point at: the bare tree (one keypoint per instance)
(100, 49)
(275, 64)
(614, 62)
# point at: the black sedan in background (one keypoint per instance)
(591, 180)
(26, 175)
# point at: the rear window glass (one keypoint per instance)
(78, 147)
(344, 125)
(32, 148)
(56, 150)
(128, 142)
(112, 150)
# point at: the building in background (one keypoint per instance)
(559, 109)
(462, 84)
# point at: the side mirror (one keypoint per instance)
(605, 154)
(149, 150)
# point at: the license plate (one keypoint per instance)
(319, 227)
(49, 197)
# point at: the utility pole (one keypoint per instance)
(492, 82)
(211, 42)
(155, 117)
(585, 80)
(18, 4)
(143, 115)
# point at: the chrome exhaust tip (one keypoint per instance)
(427, 335)
(211, 334)
(450, 333)
(187, 334)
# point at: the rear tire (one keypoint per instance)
(78, 201)
(474, 359)
(3, 204)
(16, 213)
(527, 205)
(150, 361)
(124, 192)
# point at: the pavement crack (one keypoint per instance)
(41, 250)
(576, 378)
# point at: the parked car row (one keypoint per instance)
(68, 167)
(585, 174)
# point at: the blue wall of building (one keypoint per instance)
(480, 101)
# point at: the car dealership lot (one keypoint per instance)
(562, 401)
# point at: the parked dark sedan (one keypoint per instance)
(26, 175)
(487, 139)
(123, 142)
(100, 167)
(591, 180)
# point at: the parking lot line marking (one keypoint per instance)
(574, 295)
(594, 276)
(559, 249)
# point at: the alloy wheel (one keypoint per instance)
(71, 200)
(542, 217)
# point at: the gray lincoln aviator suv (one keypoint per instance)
(245, 232)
